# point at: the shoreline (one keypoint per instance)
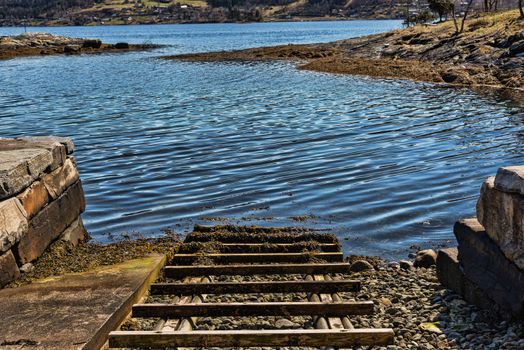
(479, 57)
(50, 24)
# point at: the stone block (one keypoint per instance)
(451, 275)
(449, 272)
(510, 179)
(49, 224)
(75, 233)
(13, 223)
(57, 150)
(18, 169)
(502, 215)
(8, 268)
(60, 179)
(34, 198)
(485, 265)
(66, 141)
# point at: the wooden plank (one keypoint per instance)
(260, 257)
(277, 247)
(253, 309)
(253, 338)
(256, 287)
(266, 269)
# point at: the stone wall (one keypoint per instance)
(41, 199)
(487, 268)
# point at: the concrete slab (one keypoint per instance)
(74, 311)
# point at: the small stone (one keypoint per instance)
(26, 268)
(425, 258)
(405, 264)
(284, 323)
(360, 265)
(394, 265)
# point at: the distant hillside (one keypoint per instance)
(92, 12)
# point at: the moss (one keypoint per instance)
(62, 257)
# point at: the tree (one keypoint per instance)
(520, 8)
(464, 17)
(441, 7)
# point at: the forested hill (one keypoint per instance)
(82, 12)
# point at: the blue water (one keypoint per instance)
(385, 164)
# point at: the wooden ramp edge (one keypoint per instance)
(102, 335)
(252, 338)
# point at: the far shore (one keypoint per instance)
(41, 44)
(489, 53)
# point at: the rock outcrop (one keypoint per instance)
(487, 269)
(41, 199)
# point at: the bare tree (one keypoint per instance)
(466, 12)
(463, 19)
(520, 8)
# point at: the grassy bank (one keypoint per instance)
(490, 52)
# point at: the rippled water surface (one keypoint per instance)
(385, 164)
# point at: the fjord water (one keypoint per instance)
(384, 163)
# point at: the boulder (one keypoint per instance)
(19, 168)
(13, 223)
(75, 233)
(47, 225)
(92, 43)
(34, 198)
(121, 46)
(425, 258)
(517, 48)
(502, 215)
(60, 179)
(485, 265)
(72, 48)
(8, 268)
(360, 265)
(510, 179)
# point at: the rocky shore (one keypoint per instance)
(490, 52)
(37, 44)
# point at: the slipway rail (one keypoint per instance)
(196, 271)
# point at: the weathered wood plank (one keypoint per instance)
(252, 338)
(256, 287)
(253, 309)
(260, 257)
(266, 269)
(275, 247)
